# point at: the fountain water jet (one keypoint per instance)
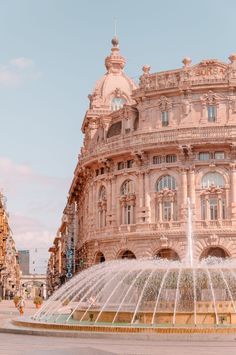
(154, 292)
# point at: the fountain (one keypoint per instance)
(147, 294)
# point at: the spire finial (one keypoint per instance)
(115, 41)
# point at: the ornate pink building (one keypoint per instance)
(147, 149)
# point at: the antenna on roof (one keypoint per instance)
(115, 27)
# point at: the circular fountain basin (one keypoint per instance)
(147, 294)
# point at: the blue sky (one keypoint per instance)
(51, 54)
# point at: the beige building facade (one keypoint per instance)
(9, 266)
(148, 149)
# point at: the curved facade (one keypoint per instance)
(147, 149)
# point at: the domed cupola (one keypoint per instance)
(114, 89)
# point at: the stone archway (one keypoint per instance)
(216, 252)
(99, 258)
(126, 254)
(167, 253)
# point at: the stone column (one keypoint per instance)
(141, 197)
(123, 204)
(146, 197)
(132, 214)
(172, 210)
(219, 214)
(233, 191)
(105, 213)
(90, 205)
(160, 211)
(184, 193)
(108, 204)
(207, 208)
(192, 186)
(114, 203)
(94, 206)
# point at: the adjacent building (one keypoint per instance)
(9, 266)
(24, 261)
(149, 150)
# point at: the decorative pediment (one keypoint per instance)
(166, 194)
(211, 98)
(164, 103)
(212, 189)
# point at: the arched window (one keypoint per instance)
(213, 179)
(102, 193)
(167, 253)
(100, 258)
(114, 129)
(166, 182)
(127, 187)
(216, 252)
(213, 197)
(127, 202)
(166, 204)
(102, 207)
(127, 254)
(117, 103)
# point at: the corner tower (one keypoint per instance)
(111, 92)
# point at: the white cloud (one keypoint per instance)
(9, 78)
(35, 203)
(17, 71)
(21, 63)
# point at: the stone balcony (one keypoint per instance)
(143, 140)
(165, 227)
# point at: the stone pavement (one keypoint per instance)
(86, 344)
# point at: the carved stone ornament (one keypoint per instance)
(210, 98)
(166, 194)
(164, 103)
(186, 107)
(213, 239)
(212, 190)
(163, 241)
(139, 157)
(123, 242)
(232, 104)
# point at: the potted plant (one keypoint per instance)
(38, 301)
(16, 300)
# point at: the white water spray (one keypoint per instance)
(189, 257)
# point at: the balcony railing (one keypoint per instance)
(140, 141)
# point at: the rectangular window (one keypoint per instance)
(167, 211)
(204, 156)
(171, 158)
(219, 155)
(213, 209)
(128, 215)
(157, 159)
(120, 165)
(129, 164)
(211, 111)
(165, 118)
(102, 171)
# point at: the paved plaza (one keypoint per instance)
(160, 344)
